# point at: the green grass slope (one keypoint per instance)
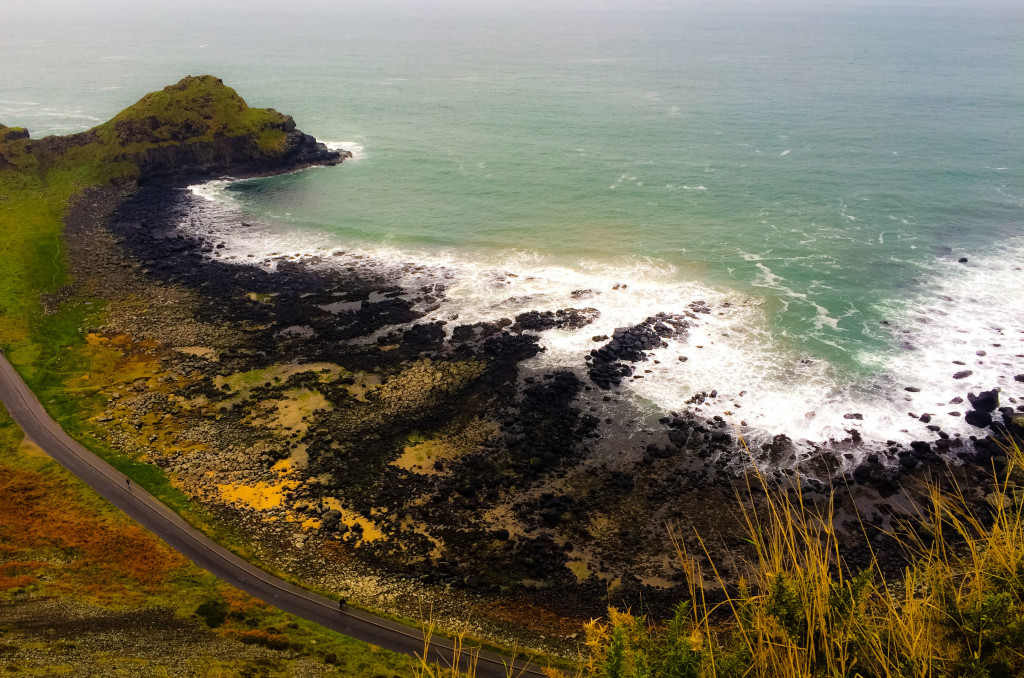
(85, 591)
(198, 126)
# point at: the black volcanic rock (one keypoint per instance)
(978, 418)
(630, 344)
(200, 126)
(986, 401)
(564, 318)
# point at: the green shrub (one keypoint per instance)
(213, 612)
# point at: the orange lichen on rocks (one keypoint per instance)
(419, 456)
(370, 530)
(112, 360)
(292, 412)
(296, 460)
(258, 496)
(311, 524)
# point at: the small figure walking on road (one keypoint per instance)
(128, 482)
(341, 604)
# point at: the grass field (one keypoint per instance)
(59, 541)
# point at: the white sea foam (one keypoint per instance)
(54, 113)
(760, 378)
(623, 179)
(213, 191)
(769, 279)
(354, 147)
(972, 314)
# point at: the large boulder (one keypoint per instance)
(978, 418)
(986, 401)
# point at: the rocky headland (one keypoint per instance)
(197, 127)
(307, 401)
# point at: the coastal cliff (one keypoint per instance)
(196, 127)
(312, 404)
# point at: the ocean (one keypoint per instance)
(815, 173)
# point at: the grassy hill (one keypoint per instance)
(198, 126)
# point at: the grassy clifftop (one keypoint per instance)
(198, 126)
(197, 108)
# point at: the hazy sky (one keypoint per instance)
(299, 6)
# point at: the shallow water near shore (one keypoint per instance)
(813, 174)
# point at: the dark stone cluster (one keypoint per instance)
(984, 404)
(704, 436)
(549, 426)
(563, 318)
(999, 424)
(630, 344)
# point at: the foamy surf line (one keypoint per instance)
(354, 147)
(214, 190)
(761, 384)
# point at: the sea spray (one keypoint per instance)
(759, 380)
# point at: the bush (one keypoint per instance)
(213, 612)
(271, 641)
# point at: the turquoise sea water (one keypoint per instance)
(819, 169)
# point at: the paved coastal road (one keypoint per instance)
(27, 411)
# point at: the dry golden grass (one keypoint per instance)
(800, 613)
(51, 540)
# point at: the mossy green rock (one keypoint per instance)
(197, 127)
(12, 133)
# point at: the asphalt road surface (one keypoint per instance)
(115, 487)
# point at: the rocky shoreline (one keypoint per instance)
(381, 448)
(387, 458)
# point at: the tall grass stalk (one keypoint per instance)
(463, 662)
(799, 611)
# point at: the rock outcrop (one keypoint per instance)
(198, 127)
(12, 133)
